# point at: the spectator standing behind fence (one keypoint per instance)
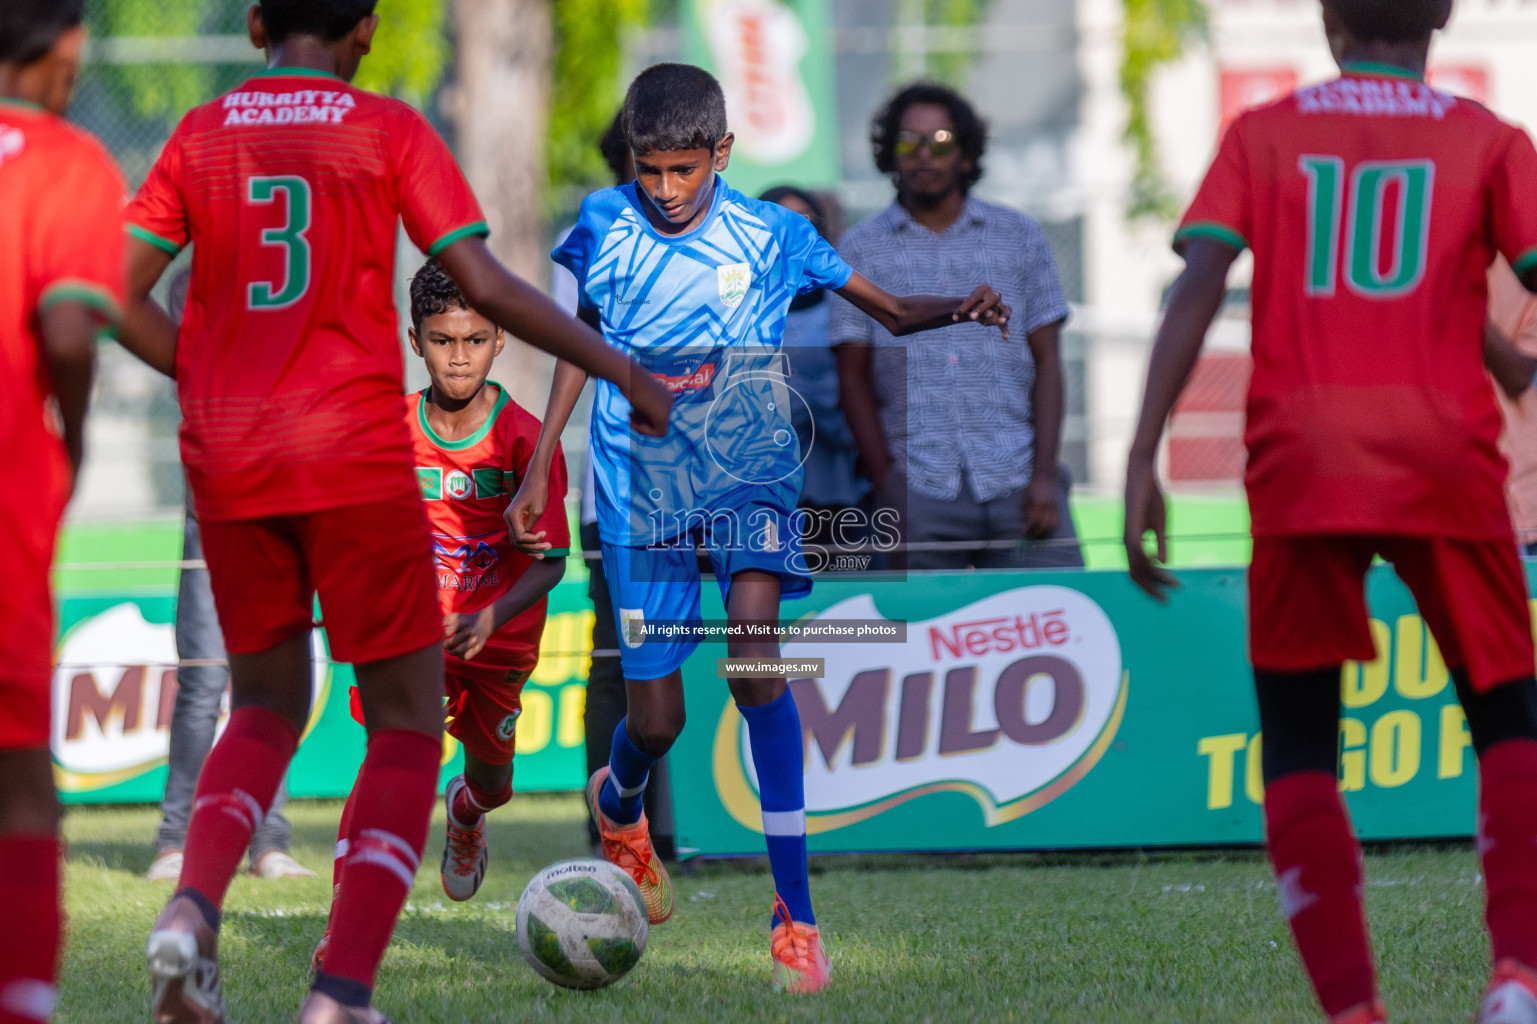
(199, 695)
(954, 425)
(832, 481)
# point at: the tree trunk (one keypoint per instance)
(500, 107)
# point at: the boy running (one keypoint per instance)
(290, 377)
(1374, 205)
(61, 282)
(472, 447)
(695, 278)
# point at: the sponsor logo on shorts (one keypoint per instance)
(458, 484)
(733, 280)
(509, 727)
(632, 626)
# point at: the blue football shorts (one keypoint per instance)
(656, 592)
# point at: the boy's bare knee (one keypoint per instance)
(404, 692)
(655, 733)
(279, 680)
(754, 693)
(28, 803)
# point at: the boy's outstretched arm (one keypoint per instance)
(147, 330)
(528, 505)
(517, 306)
(1193, 304)
(908, 314)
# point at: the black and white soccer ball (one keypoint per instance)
(582, 923)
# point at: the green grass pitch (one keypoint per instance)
(1177, 937)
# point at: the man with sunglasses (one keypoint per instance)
(953, 426)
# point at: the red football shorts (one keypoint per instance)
(1307, 602)
(484, 702)
(26, 626)
(370, 563)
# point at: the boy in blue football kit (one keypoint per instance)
(693, 279)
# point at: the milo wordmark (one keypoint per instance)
(1010, 700)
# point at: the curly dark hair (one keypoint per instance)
(29, 28)
(970, 129)
(616, 149)
(433, 292)
(1392, 21)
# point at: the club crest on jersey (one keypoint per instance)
(458, 485)
(632, 626)
(733, 280)
(12, 142)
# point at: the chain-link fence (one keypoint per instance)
(144, 70)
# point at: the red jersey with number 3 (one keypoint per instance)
(289, 364)
(467, 485)
(1374, 205)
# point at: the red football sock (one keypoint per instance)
(31, 926)
(1507, 842)
(471, 803)
(343, 830)
(391, 807)
(238, 781)
(1318, 866)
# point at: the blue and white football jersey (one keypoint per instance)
(705, 311)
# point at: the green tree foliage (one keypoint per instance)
(410, 50)
(950, 66)
(154, 90)
(1155, 34)
(586, 91)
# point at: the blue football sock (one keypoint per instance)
(628, 770)
(774, 731)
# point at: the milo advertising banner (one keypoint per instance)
(1022, 711)
(774, 62)
(114, 692)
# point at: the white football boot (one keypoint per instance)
(464, 852)
(1512, 995)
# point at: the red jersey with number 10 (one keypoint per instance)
(289, 365)
(1375, 205)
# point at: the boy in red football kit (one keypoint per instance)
(1374, 205)
(61, 281)
(290, 376)
(473, 445)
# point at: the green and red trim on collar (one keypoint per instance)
(502, 399)
(1373, 69)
